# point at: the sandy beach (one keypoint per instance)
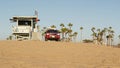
(40, 54)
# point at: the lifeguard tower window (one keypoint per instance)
(24, 23)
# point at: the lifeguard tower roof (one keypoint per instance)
(15, 18)
(30, 17)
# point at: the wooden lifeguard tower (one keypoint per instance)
(26, 27)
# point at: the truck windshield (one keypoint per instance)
(52, 31)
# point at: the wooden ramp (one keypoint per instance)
(35, 36)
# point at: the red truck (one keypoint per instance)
(52, 34)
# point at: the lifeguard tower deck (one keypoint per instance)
(26, 27)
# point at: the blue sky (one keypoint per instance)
(86, 13)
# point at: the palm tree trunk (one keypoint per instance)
(81, 36)
(109, 42)
(104, 39)
(62, 36)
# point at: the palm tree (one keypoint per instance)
(98, 30)
(66, 31)
(99, 36)
(70, 30)
(62, 25)
(63, 30)
(70, 25)
(93, 28)
(109, 30)
(94, 34)
(107, 39)
(110, 27)
(81, 28)
(75, 35)
(104, 35)
(44, 28)
(109, 36)
(53, 26)
(112, 36)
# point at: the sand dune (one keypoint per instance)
(39, 54)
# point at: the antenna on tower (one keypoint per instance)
(36, 13)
